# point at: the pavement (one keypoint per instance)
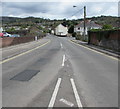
(57, 72)
(98, 48)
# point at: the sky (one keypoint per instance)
(58, 9)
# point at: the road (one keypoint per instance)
(55, 72)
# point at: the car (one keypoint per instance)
(1, 34)
(15, 35)
(5, 34)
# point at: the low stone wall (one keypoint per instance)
(8, 41)
(108, 39)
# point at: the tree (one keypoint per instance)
(74, 34)
(107, 26)
(10, 30)
(71, 29)
(37, 21)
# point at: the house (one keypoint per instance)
(61, 30)
(52, 31)
(1, 30)
(88, 25)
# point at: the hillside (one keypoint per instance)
(114, 21)
(47, 24)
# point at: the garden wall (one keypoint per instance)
(8, 41)
(108, 39)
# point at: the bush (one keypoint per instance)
(71, 29)
(107, 26)
(74, 34)
(10, 30)
(79, 37)
(82, 38)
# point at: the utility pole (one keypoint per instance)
(84, 21)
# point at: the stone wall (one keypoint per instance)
(8, 41)
(108, 39)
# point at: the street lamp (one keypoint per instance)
(74, 6)
(84, 19)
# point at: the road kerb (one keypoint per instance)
(94, 50)
(1, 62)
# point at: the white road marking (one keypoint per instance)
(61, 45)
(54, 95)
(76, 93)
(67, 102)
(63, 62)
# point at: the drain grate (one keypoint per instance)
(26, 75)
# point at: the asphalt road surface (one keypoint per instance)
(55, 72)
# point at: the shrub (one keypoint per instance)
(107, 26)
(71, 29)
(79, 37)
(74, 34)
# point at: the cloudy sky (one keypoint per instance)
(58, 9)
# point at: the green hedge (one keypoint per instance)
(102, 30)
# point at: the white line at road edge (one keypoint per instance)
(54, 95)
(76, 94)
(63, 62)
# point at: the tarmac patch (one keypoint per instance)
(26, 75)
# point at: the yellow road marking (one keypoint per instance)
(94, 50)
(6, 60)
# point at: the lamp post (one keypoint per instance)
(84, 21)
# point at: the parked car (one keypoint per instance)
(15, 35)
(5, 34)
(1, 34)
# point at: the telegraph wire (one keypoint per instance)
(75, 13)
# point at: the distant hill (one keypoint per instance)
(102, 20)
(9, 19)
(114, 21)
(16, 20)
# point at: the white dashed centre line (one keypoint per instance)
(76, 94)
(54, 95)
(63, 61)
(61, 45)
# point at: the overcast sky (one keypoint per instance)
(59, 10)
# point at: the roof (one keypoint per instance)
(88, 23)
(61, 25)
